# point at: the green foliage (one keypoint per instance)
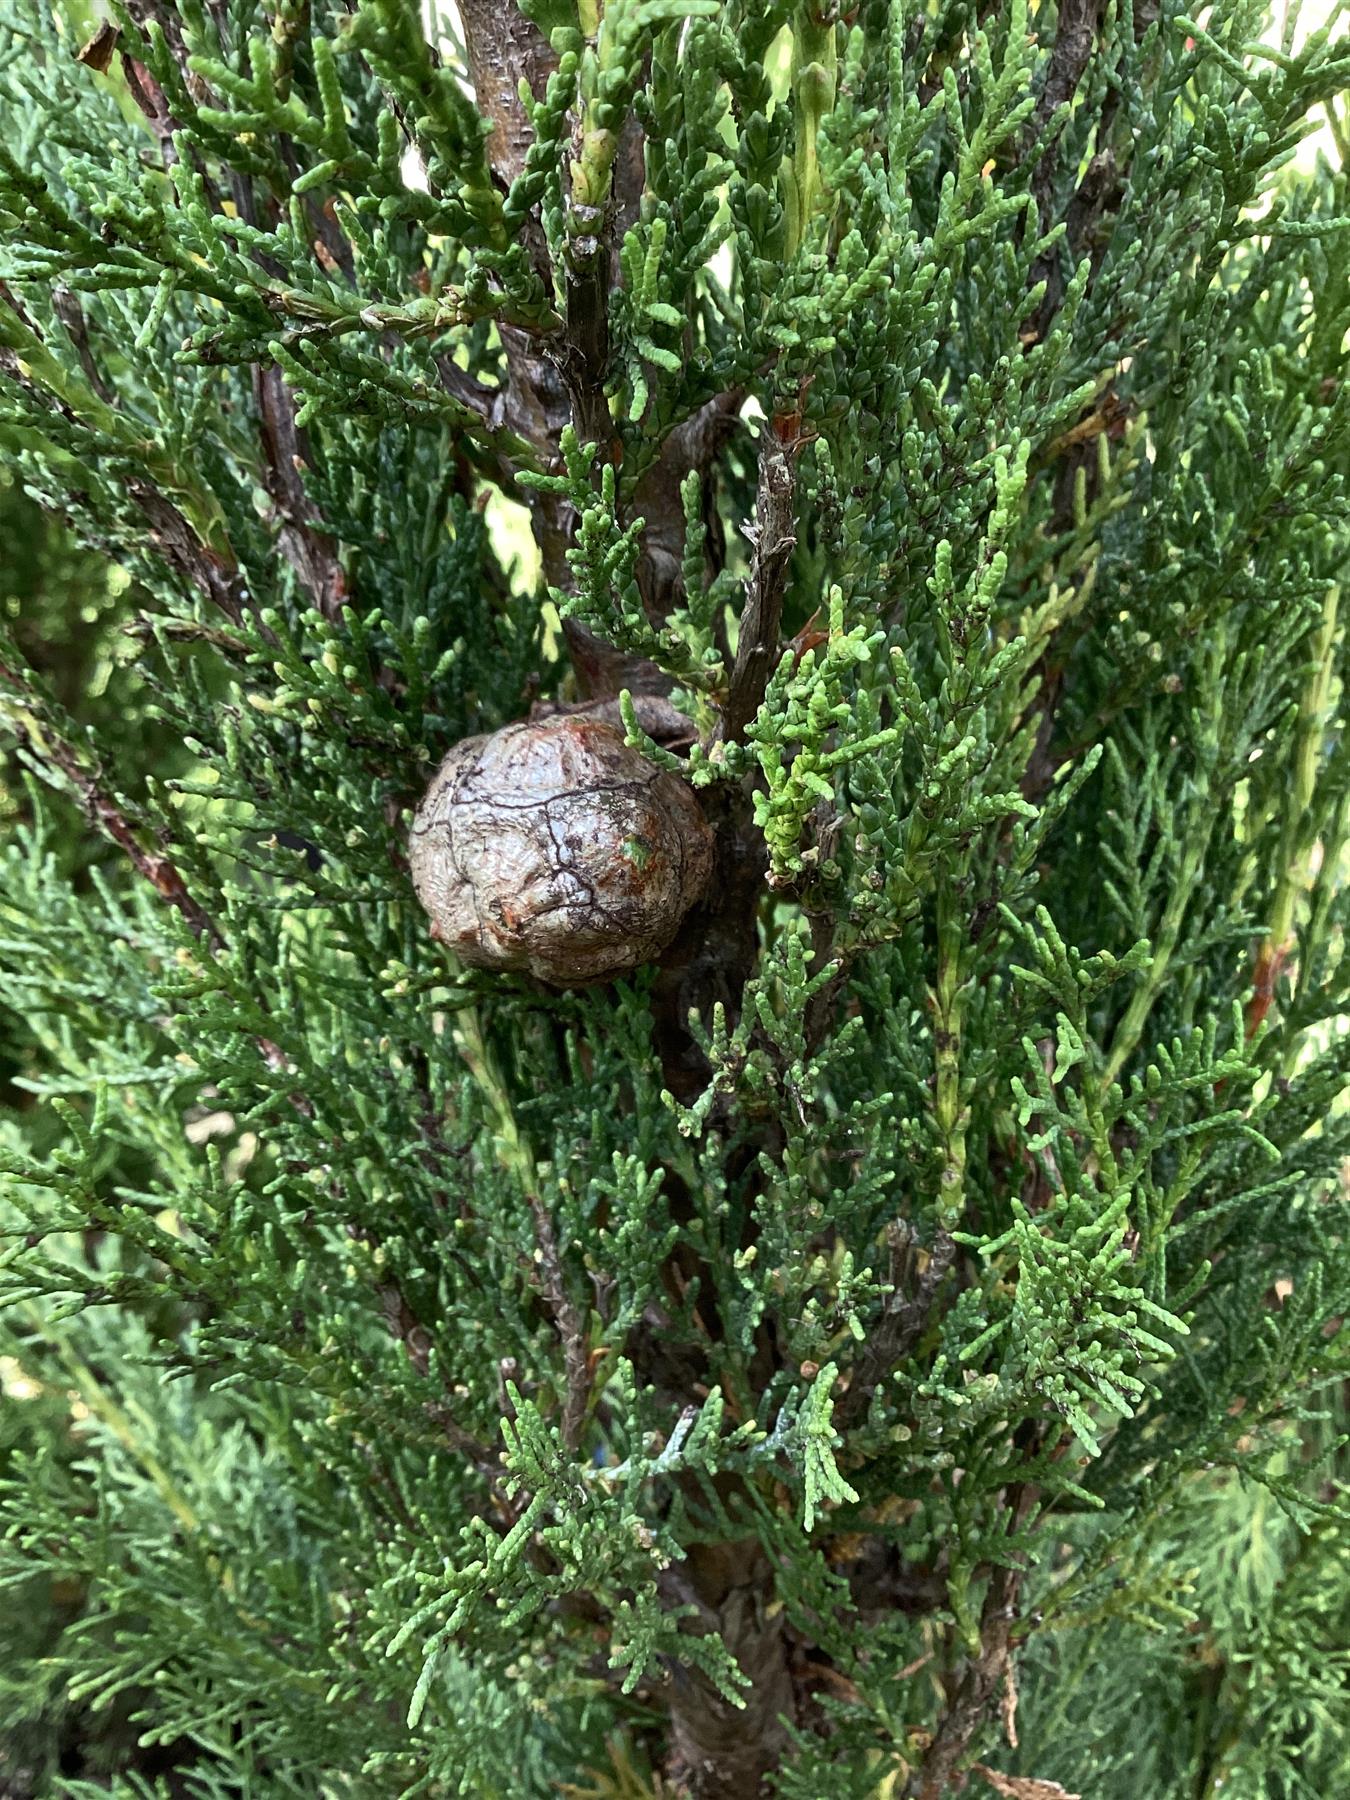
(420, 1381)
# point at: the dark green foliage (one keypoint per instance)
(930, 1291)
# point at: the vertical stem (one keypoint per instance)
(775, 538)
(1300, 824)
(949, 1107)
(815, 66)
(1131, 1027)
(1311, 719)
(513, 1151)
(101, 1403)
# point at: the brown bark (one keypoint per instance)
(504, 48)
(985, 1673)
(695, 444)
(907, 1311)
(310, 551)
(774, 537)
(568, 1320)
(1076, 25)
(979, 1687)
(720, 1751)
(47, 744)
(179, 546)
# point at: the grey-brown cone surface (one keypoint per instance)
(551, 847)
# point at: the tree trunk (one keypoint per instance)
(721, 1751)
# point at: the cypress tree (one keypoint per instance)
(820, 1268)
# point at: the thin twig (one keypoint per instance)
(984, 1675)
(44, 741)
(178, 544)
(66, 306)
(311, 552)
(571, 1328)
(904, 1317)
(773, 536)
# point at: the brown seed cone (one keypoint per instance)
(551, 847)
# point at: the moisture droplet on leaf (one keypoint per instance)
(552, 847)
